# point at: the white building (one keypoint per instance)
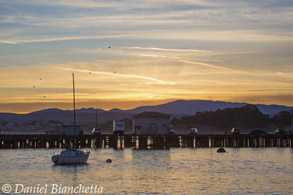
(118, 127)
(150, 123)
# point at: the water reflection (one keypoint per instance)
(174, 171)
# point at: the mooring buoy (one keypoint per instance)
(221, 150)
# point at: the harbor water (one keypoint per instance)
(174, 171)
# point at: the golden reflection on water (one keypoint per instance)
(174, 171)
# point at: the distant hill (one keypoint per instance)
(187, 107)
(190, 107)
(66, 116)
(175, 108)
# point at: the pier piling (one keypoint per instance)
(142, 141)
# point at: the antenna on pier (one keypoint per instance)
(74, 114)
(291, 130)
(96, 117)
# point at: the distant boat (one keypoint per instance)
(71, 156)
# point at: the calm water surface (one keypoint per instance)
(174, 171)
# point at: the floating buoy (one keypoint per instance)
(108, 160)
(221, 150)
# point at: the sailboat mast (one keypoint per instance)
(74, 115)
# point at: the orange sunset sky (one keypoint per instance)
(131, 53)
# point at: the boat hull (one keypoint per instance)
(65, 160)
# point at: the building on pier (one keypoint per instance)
(150, 123)
(71, 129)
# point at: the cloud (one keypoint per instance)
(277, 77)
(172, 48)
(68, 38)
(153, 56)
(125, 4)
(206, 65)
(8, 42)
(267, 74)
(177, 20)
(169, 50)
(158, 81)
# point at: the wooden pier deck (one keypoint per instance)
(8, 141)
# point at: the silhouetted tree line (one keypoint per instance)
(247, 116)
(283, 118)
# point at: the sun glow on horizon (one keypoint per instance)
(144, 54)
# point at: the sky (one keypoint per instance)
(129, 53)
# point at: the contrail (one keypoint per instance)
(206, 65)
(281, 76)
(120, 75)
(171, 50)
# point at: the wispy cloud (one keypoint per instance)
(206, 65)
(115, 74)
(61, 39)
(176, 20)
(169, 50)
(153, 56)
(279, 76)
(183, 47)
(8, 42)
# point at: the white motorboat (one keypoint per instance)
(71, 156)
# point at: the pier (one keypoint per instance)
(8, 141)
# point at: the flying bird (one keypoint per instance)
(34, 87)
(90, 73)
(109, 47)
(40, 79)
(115, 72)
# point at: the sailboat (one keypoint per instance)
(71, 155)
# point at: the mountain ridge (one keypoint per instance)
(174, 108)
